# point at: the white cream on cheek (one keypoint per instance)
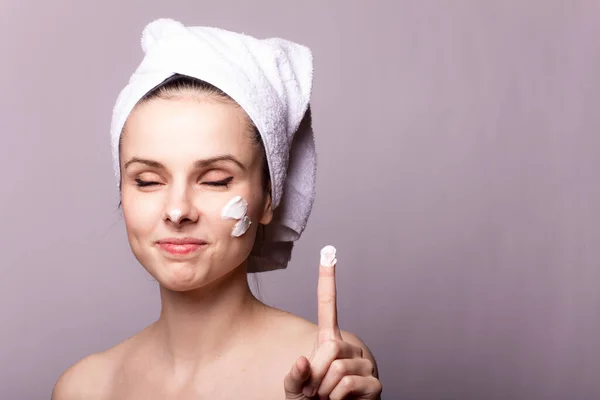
(241, 227)
(236, 208)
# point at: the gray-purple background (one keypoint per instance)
(458, 157)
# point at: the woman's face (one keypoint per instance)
(190, 156)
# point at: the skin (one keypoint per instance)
(213, 338)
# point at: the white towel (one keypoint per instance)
(271, 79)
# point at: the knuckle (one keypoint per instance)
(334, 347)
(377, 386)
(369, 367)
(339, 368)
(348, 382)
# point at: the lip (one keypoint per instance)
(180, 246)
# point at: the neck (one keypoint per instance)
(196, 327)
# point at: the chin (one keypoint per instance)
(188, 276)
(181, 276)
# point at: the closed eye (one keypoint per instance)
(225, 182)
(141, 183)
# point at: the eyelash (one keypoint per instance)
(141, 183)
(222, 183)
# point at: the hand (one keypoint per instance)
(336, 369)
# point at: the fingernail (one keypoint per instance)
(308, 391)
(328, 256)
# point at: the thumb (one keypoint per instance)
(295, 380)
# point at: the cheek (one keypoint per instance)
(223, 228)
(256, 207)
(140, 213)
(219, 226)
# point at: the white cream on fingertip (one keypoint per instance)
(328, 256)
(236, 208)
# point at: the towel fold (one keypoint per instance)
(271, 79)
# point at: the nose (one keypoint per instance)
(180, 209)
(175, 215)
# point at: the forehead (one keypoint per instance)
(198, 128)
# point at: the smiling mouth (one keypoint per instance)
(179, 247)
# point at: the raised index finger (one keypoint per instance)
(326, 293)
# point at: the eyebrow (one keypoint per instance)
(197, 164)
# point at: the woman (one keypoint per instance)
(201, 168)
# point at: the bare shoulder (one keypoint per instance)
(304, 333)
(92, 377)
(290, 328)
(89, 378)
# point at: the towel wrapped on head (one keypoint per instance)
(271, 79)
